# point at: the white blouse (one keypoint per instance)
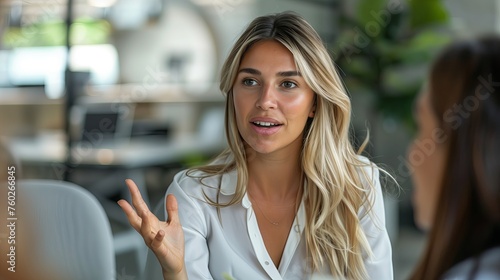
(231, 244)
(488, 267)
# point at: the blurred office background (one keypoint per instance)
(144, 100)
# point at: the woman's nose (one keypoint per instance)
(267, 98)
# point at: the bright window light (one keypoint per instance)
(101, 3)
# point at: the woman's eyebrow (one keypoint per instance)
(250, 71)
(289, 73)
(281, 74)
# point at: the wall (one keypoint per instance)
(474, 17)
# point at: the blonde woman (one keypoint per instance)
(289, 197)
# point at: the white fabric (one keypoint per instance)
(488, 267)
(235, 247)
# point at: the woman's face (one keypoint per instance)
(426, 156)
(271, 99)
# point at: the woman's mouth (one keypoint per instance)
(266, 128)
(266, 124)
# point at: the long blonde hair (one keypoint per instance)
(334, 193)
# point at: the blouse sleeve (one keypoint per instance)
(379, 264)
(195, 228)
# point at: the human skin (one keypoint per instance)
(426, 156)
(268, 88)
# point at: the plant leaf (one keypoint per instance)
(366, 9)
(427, 12)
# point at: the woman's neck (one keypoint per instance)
(274, 179)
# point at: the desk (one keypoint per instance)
(133, 157)
(129, 154)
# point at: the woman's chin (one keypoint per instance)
(422, 222)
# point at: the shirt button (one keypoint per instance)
(266, 262)
(297, 228)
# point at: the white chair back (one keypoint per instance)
(74, 233)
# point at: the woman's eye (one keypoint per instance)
(289, 84)
(249, 82)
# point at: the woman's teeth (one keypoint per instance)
(265, 124)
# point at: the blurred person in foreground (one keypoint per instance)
(456, 161)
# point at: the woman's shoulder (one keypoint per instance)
(194, 178)
(199, 184)
(372, 212)
(364, 163)
(488, 267)
(367, 171)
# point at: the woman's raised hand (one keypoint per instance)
(164, 238)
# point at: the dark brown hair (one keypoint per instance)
(465, 98)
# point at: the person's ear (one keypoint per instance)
(313, 109)
(312, 112)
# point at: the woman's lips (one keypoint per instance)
(264, 128)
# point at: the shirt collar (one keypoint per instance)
(228, 182)
(228, 187)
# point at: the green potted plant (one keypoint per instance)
(384, 47)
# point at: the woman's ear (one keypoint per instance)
(312, 112)
(313, 108)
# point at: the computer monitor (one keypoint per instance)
(103, 123)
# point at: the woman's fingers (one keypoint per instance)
(137, 201)
(172, 209)
(157, 240)
(140, 217)
(134, 220)
(149, 226)
(168, 249)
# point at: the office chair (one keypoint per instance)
(71, 228)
